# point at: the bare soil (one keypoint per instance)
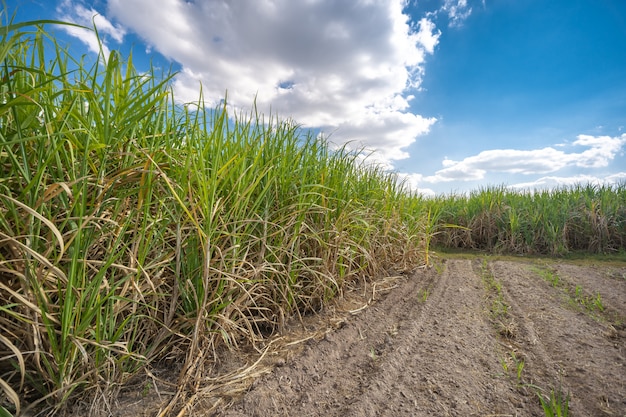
(465, 338)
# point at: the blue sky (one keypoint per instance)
(451, 94)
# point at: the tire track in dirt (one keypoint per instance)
(439, 354)
(560, 345)
(402, 356)
(331, 372)
(445, 342)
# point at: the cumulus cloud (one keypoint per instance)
(345, 67)
(73, 12)
(428, 36)
(601, 151)
(551, 182)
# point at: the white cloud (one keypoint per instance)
(76, 12)
(551, 182)
(457, 10)
(384, 131)
(343, 66)
(427, 36)
(413, 181)
(601, 151)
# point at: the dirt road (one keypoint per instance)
(466, 338)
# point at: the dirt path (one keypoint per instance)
(466, 340)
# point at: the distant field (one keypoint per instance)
(582, 218)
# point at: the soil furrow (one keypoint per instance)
(473, 338)
(608, 285)
(330, 373)
(411, 354)
(564, 346)
(438, 354)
